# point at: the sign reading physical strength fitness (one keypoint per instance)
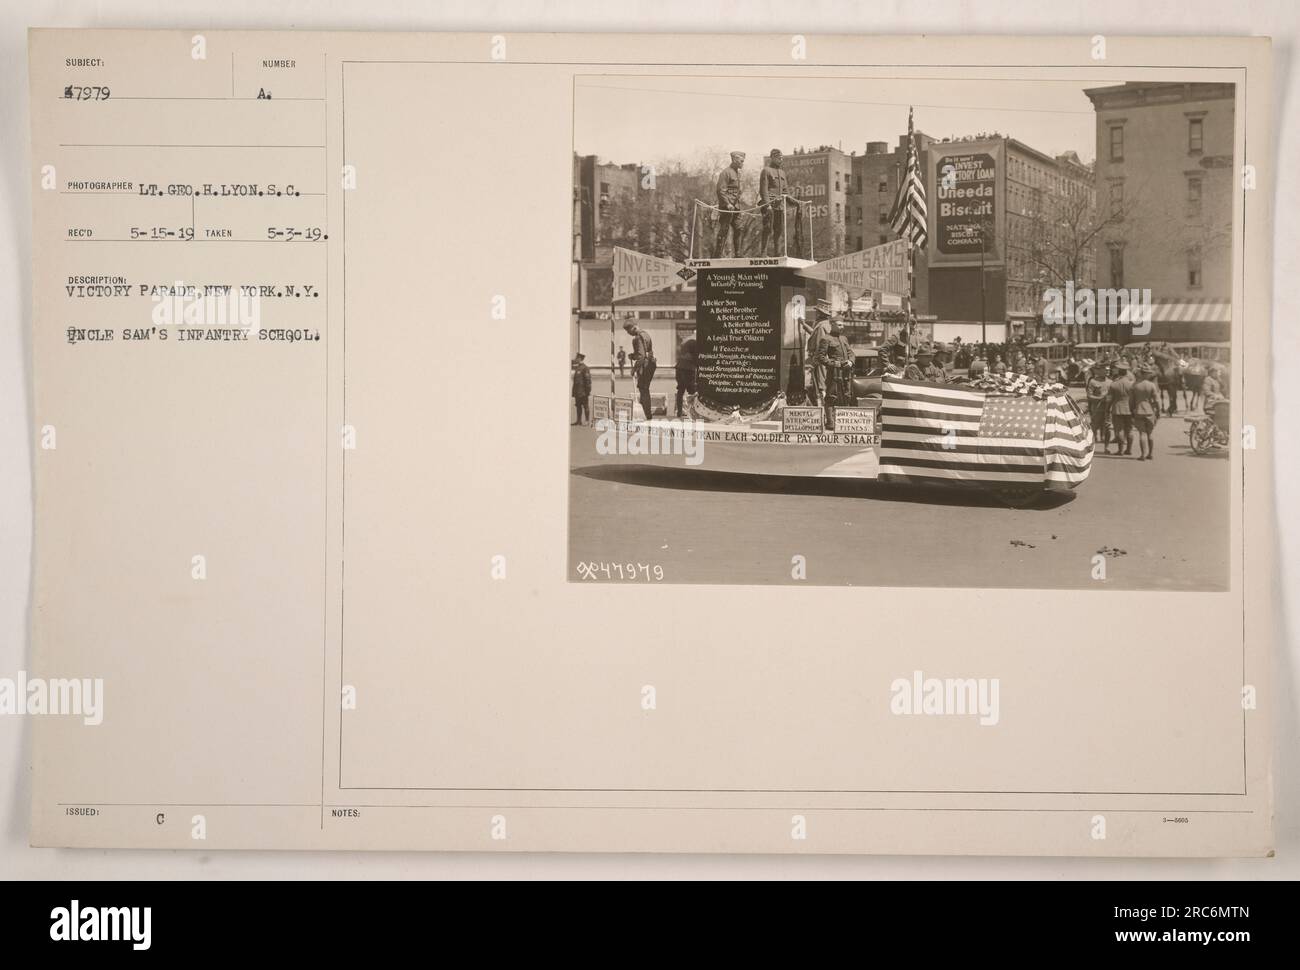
(856, 420)
(738, 333)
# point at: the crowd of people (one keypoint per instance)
(1123, 385)
(1121, 403)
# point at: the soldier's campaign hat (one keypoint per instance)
(579, 356)
(775, 153)
(1122, 366)
(738, 156)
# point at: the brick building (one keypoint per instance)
(1165, 170)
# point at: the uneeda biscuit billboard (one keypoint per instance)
(966, 189)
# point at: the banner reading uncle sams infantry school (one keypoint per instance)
(881, 267)
(637, 273)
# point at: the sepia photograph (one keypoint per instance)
(918, 510)
(901, 332)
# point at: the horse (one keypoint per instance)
(1169, 377)
(1193, 378)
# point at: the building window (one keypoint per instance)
(1195, 135)
(837, 212)
(1194, 268)
(1117, 143)
(1117, 267)
(883, 238)
(1194, 196)
(884, 185)
(884, 215)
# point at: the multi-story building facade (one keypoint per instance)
(596, 185)
(1006, 223)
(821, 178)
(876, 176)
(1166, 178)
(667, 315)
(1050, 237)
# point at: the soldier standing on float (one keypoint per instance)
(729, 206)
(819, 336)
(643, 356)
(773, 187)
(839, 363)
(686, 371)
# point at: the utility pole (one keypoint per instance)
(984, 333)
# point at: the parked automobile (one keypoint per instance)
(1094, 352)
(1216, 352)
(1058, 359)
(868, 367)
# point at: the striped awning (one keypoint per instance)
(1193, 310)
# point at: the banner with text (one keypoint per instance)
(637, 273)
(881, 268)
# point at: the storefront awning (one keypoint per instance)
(1183, 311)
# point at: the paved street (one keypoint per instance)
(1162, 524)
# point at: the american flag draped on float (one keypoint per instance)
(908, 216)
(1012, 434)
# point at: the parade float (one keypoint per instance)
(750, 412)
(1011, 436)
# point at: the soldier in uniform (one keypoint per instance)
(685, 371)
(837, 357)
(1098, 386)
(1119, 405)
(818, 336)
(581, 389)
(1144, 402)
(729, 206)
(773, 187)
(643, 357)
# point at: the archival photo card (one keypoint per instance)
(648, 443)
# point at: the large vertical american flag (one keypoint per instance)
(945, 433)
(908, 217)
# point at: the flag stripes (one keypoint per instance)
(1069, 441)
(908, 217)
(941, 433)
